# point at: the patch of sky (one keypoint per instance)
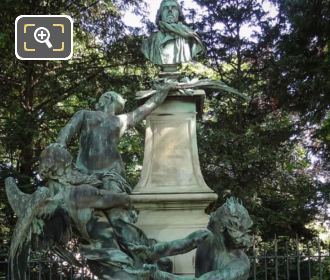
(247, 31)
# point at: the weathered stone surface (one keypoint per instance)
(171, 163)
(172, 195)
(165, 217)
(90, 198)
(220, 252)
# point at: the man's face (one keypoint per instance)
(170, 12)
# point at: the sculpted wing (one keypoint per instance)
(37, 222)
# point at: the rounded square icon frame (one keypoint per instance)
(51, 58)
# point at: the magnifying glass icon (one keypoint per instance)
(41, 35)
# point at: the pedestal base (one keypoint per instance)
(166, 217)
(172, 195)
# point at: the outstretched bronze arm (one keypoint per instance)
(172, 248)
(132, 118)
(180, 246)
(86, 196)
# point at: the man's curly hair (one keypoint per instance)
(159, 12)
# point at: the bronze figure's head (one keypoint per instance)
(111, 101)
(54, 160)
(233, 220)
(169, 11)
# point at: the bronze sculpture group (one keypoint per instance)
(90, 201)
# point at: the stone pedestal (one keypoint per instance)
(172, 194)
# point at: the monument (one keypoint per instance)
(172, 195)
(172, 237)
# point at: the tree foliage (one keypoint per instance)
(271, 152)
(38, 97)
(263, 151)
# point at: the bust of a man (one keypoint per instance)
(175, 42)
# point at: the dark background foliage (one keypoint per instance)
(272, 152)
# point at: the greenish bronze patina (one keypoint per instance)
(89, 200)
(219, 254)
(74, 202)
(91, 196)
(46, 218)
(99, 131)
(175, 42)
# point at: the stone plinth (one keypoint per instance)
(171, 163)
(172, 194)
